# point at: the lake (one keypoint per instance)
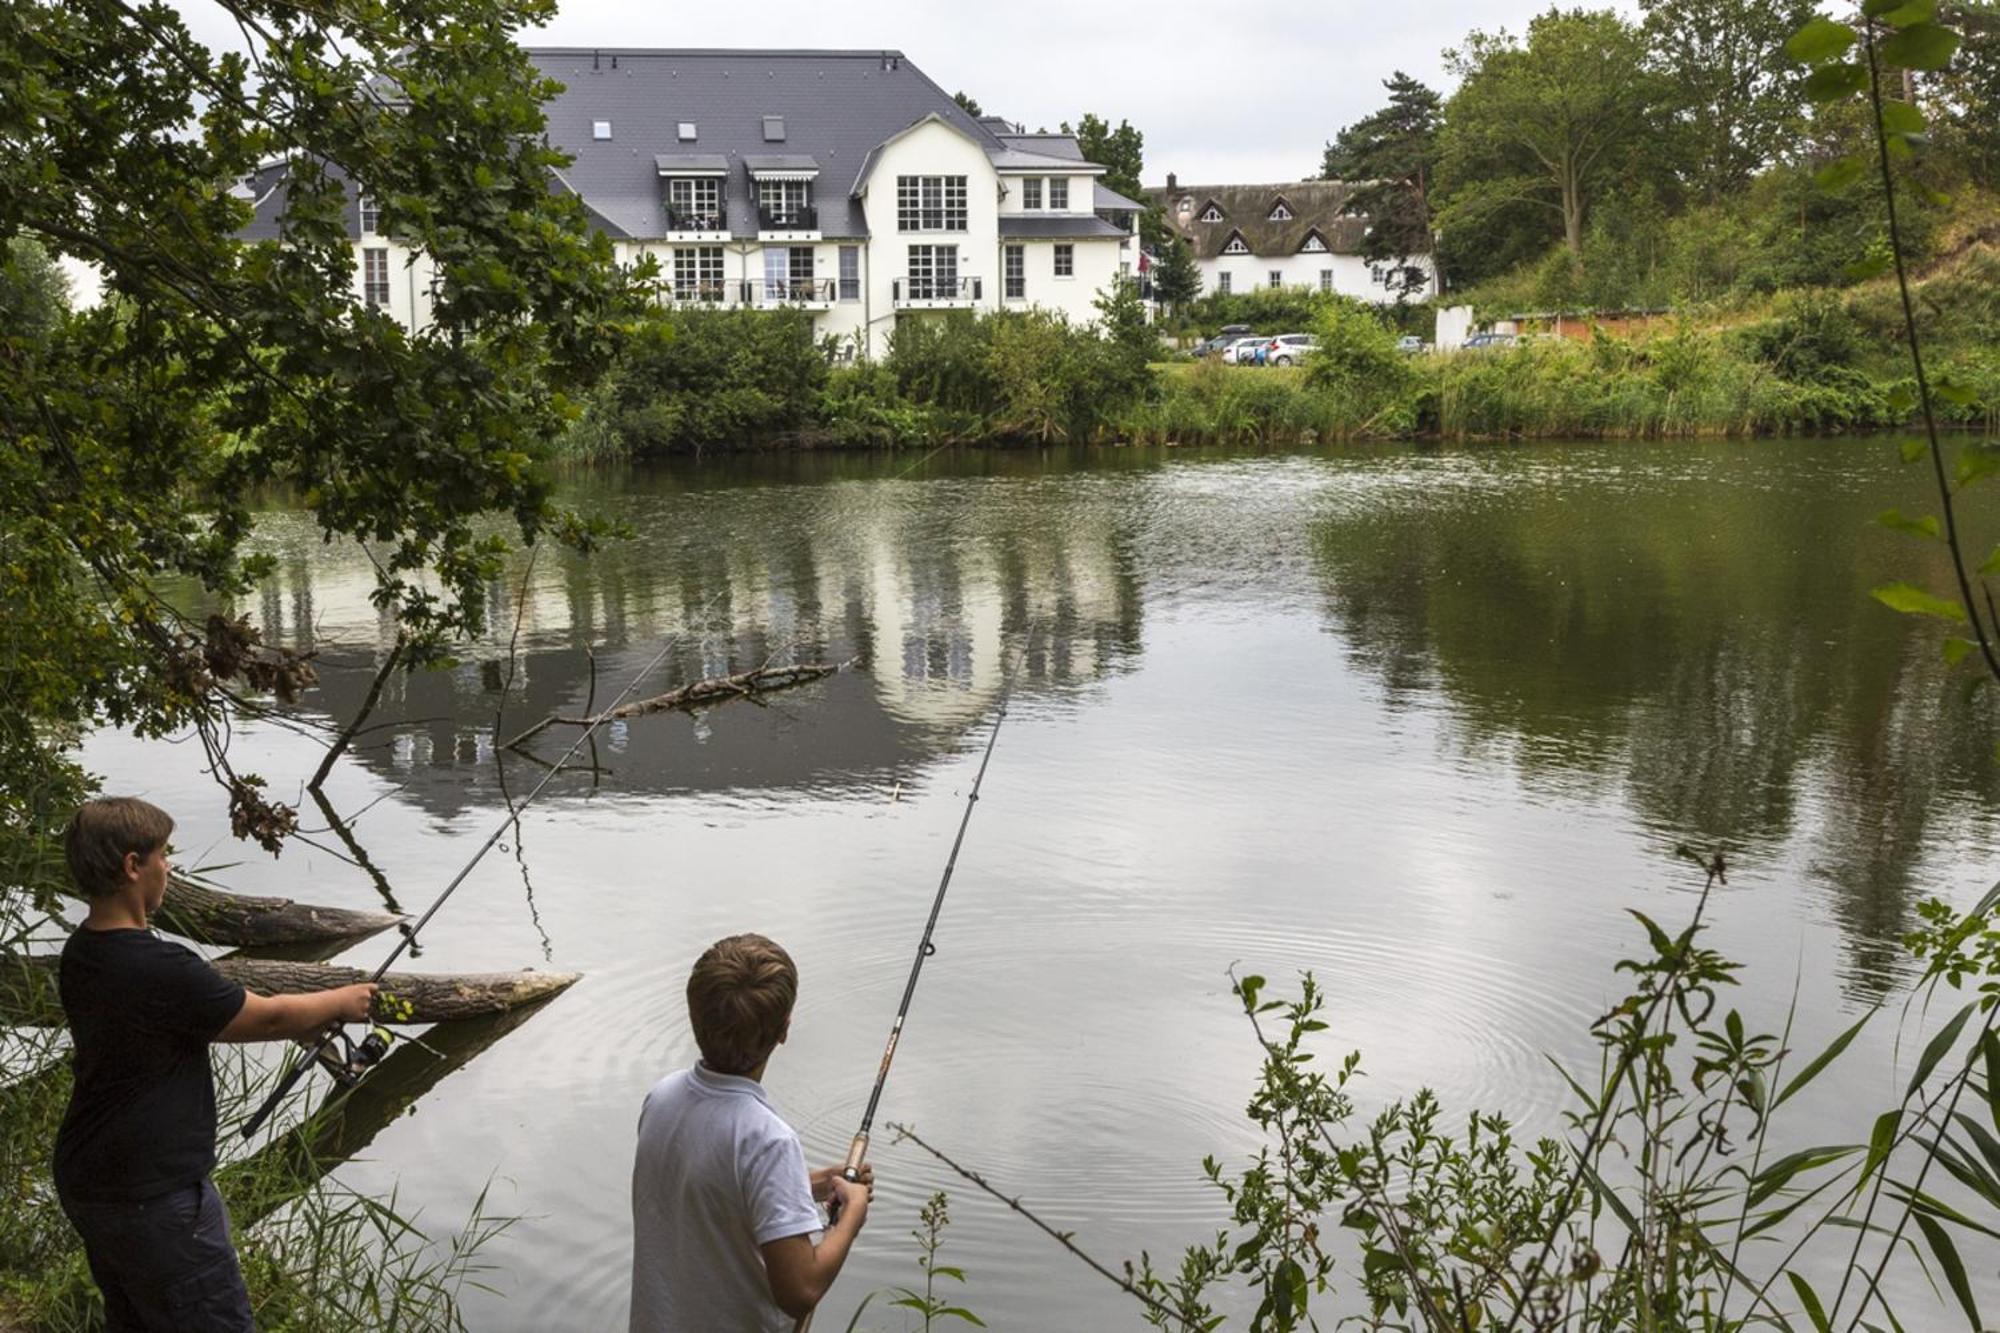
(1427, 722)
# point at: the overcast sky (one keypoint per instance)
(1224, 92)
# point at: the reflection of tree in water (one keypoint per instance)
(1709, 646)
(941, 591)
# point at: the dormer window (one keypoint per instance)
(1279, 213)
(371, 215)
(783, 204)
(1211, 214)
(1236, 247)
(694, 203)
(1059, 193)
(1314, 244)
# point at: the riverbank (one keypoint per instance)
(1802, 363)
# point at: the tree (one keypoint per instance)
(134, 432)
(970, 106)
(1121, 151)
(1546, 122)
(1176, 279)
(1391, 158)
(1731, 93)
(1968, 93)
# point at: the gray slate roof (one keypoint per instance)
(1315, 206)
(1048, 145)
(1106, 199)
(837, 106)
(1029, 227)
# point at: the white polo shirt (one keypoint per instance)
(717, 1175)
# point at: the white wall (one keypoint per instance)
(1096, 268)
(1351, 275)
(931, 149)
(1082, 194)
(410, 274)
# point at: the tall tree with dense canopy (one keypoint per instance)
(1731, 94)
(1391, 156)
(1121, 151)
(1548, 120)
(1176, 278)
(132, 435)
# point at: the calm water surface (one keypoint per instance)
(1425, 722)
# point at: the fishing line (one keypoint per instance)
(372, 1047)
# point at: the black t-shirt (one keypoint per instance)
(142, 1012)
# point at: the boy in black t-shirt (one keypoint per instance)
(136, 1147)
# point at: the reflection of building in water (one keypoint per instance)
(942, 591)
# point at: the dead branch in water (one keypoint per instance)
(700, 694)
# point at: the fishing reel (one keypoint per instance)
(346, 1060)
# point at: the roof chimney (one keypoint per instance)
(1173, 182)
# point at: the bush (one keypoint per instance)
(693, 379)
(1358, 364)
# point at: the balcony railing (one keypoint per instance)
(800, 291)
(934, 291)
(694, 219)
(793, 217)
(711, 293)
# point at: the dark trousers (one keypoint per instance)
(165, 1265)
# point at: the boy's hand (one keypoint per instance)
(850, 1202)
(822, 1180)
(356, 1002)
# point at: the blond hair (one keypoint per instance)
(103, 832)
(740, 997)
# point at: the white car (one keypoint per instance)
(1243, 350)
(1288, 349)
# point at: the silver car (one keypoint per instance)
(1288, 349)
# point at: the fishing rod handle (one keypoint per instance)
(287, 1083)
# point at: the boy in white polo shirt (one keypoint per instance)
(727, 1233)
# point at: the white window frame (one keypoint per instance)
(1065, 259)
(1222, 282)
(786, 200)
(1014, 268)
(1236, 247)
(375, 277)
(1279, 213)
(1326, 279)
(1315, 245)
(1031, 194)
(698, 273)
(931, 203)
(850, 273)
(932, 273)
(1211, 214)
(370, 215)
(698, 198)
(1059, 194)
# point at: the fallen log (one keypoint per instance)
(700, 694)
(28, 993)
(241, 921)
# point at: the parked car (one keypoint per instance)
(1224, 336)
(1288, 349)
(1243, 351)
(1483, 341)
(1410, 344)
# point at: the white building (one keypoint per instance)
(845, 183)
(1296, 234)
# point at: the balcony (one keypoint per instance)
(960, 293)
(796, 222)
(689, 224)
(807, 293)
(710, 293)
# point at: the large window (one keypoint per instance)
(375, 278)
(850, 273)
(698, 273)
(788, 273)
(930, 203)
(1017, 273)
(933, 272)
(783, 203)
(1059, 192)
(1065, 260)
(695, 203)
(1031, 192)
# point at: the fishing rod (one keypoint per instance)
(354, 1057)
(851, 1170)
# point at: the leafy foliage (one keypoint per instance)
(1392, 156)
